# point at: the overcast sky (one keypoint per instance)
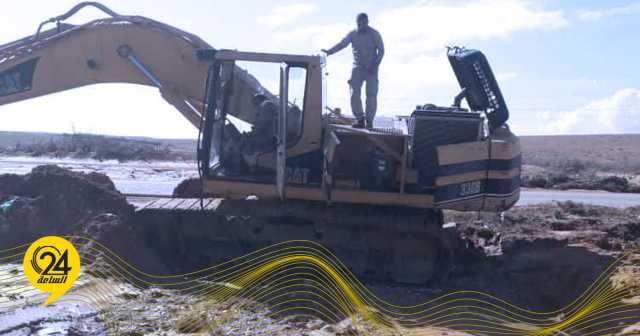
(565, 67)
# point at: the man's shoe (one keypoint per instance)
(369, 125)
(358, 124)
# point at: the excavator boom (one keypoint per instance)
(116, 49)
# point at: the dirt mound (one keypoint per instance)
(189, 188)
(54, 200)
(627, 231)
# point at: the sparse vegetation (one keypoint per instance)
(537, 177)
(591, 162)
(99, 147)
(579, 154)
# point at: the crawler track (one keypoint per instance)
(395, 244)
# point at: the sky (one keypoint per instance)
(564, 67)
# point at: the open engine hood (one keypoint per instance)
(479, 85)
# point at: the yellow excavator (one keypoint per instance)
(281, 165)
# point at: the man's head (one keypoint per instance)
(363, 22)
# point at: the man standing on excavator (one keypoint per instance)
(368, 51)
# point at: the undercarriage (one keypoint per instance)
(376, 243)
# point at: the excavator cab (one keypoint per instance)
(246, 129)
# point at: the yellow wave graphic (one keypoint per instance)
(302, 278)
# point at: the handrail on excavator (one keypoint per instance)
(73, 11)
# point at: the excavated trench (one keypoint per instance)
(530, 269)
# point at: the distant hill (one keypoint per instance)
(616, 153)
(9, 138)
(101, 147)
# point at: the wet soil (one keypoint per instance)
(53, 200)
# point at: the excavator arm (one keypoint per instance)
(116, 49)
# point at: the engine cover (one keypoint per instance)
(431, 126)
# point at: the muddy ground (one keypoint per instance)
(538, 257)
